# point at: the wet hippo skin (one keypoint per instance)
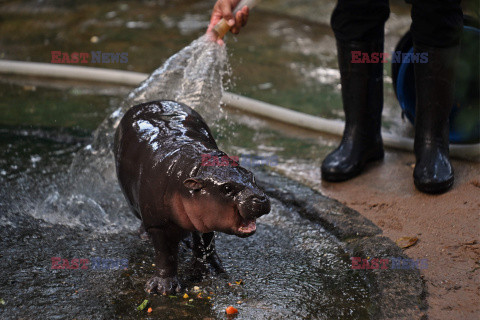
(158, 155)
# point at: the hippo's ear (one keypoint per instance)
(193, 183)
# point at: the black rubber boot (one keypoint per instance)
(362, 96)
(434, 85)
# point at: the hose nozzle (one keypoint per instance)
(222, 27)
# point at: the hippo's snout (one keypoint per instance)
(253, 206)
(260, 206)
(259, 199)
(250, 205)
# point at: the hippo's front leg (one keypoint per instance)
(205, 258)
(165, 280)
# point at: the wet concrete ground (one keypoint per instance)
(289, 269)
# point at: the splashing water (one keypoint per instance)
(193, 76)
(90, 196)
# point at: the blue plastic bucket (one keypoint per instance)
(465, 115)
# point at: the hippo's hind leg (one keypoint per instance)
(142, 233)
(205, 258)
(165, 243)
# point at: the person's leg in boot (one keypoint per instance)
(436, 30)
(358, 26)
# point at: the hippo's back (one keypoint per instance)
(162, 139)
(167, 120)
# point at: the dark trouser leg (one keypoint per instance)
(358, 26)
(437, 23)
(205, 258)
(360, 20)
(436, 30)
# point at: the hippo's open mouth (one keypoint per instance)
(245, 227)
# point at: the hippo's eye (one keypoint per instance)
(227, 188)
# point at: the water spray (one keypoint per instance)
(222, 27)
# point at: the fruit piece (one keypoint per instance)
(149, 310)
(231, 310)
(185, 296)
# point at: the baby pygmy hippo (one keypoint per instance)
(158, 155)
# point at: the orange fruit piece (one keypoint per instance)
(231, 310)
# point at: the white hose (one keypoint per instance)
(71, 72)
(460, 151)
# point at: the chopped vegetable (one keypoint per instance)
(185, 296)
(143, 305)
(149, 310)
(2, 302)
(231, 310)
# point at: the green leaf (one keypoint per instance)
(143, 305)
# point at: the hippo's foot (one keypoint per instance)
(211, 266)
(165, 286)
